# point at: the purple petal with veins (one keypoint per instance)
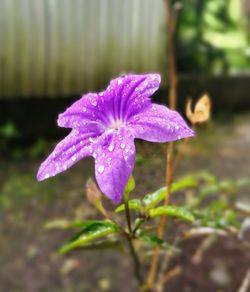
(104, 126)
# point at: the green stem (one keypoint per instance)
(137, 265)
(129, 235)
(138, 225)
(127, 214)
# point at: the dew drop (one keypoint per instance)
(84, 109)
(73, 158)
(93, 101)
(123, 145)
(101, 168)
(177, 127)
(47, 175)
(91, 139)
(111, 147)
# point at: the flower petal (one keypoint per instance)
(159, 124)
(114, 163)
(131, 93)
(125, 96)
(87, 110)
(70, 150)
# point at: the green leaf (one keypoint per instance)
(61, 223)
(172, 210)
(88, 234)
(153, 241)
(130, 185)
(208, 190)
(105, 245)
(151, 200)
(132, 204)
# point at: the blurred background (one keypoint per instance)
(52, 52)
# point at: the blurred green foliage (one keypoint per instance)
(212, 36)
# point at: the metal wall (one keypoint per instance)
(64, 47)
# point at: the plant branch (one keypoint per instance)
(127, 215)
(129, 235)
(169, 159)
(137, 265)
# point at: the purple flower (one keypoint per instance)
(104, 126)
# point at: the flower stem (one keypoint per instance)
(137, 265)
(169, 161)
(129, 235)
(127, 214)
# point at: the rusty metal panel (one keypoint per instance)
(64, 47)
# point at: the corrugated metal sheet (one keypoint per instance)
(62, 47)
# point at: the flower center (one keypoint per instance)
(116, 125)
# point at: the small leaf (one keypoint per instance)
(130, 185)
(153, 241)
(151, 200)
(184, 183)
(175, 211)
(90, 233)
(61, 223)
(105, 245)
(132, 204)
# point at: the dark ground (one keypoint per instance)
(29, 262)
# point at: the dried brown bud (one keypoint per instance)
(93, 194)
(201, 111)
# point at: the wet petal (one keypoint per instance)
(125, 96)
(114, 162)
(131, 93)
(70, 150)
(85, 111)
(159, 124)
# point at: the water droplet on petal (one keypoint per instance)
(177, 127)
(111, 147)
(93, 101)
(47, 175)
(100, 168)
(84, 109)
(91, 139)
(73, 158)
(123, 145)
